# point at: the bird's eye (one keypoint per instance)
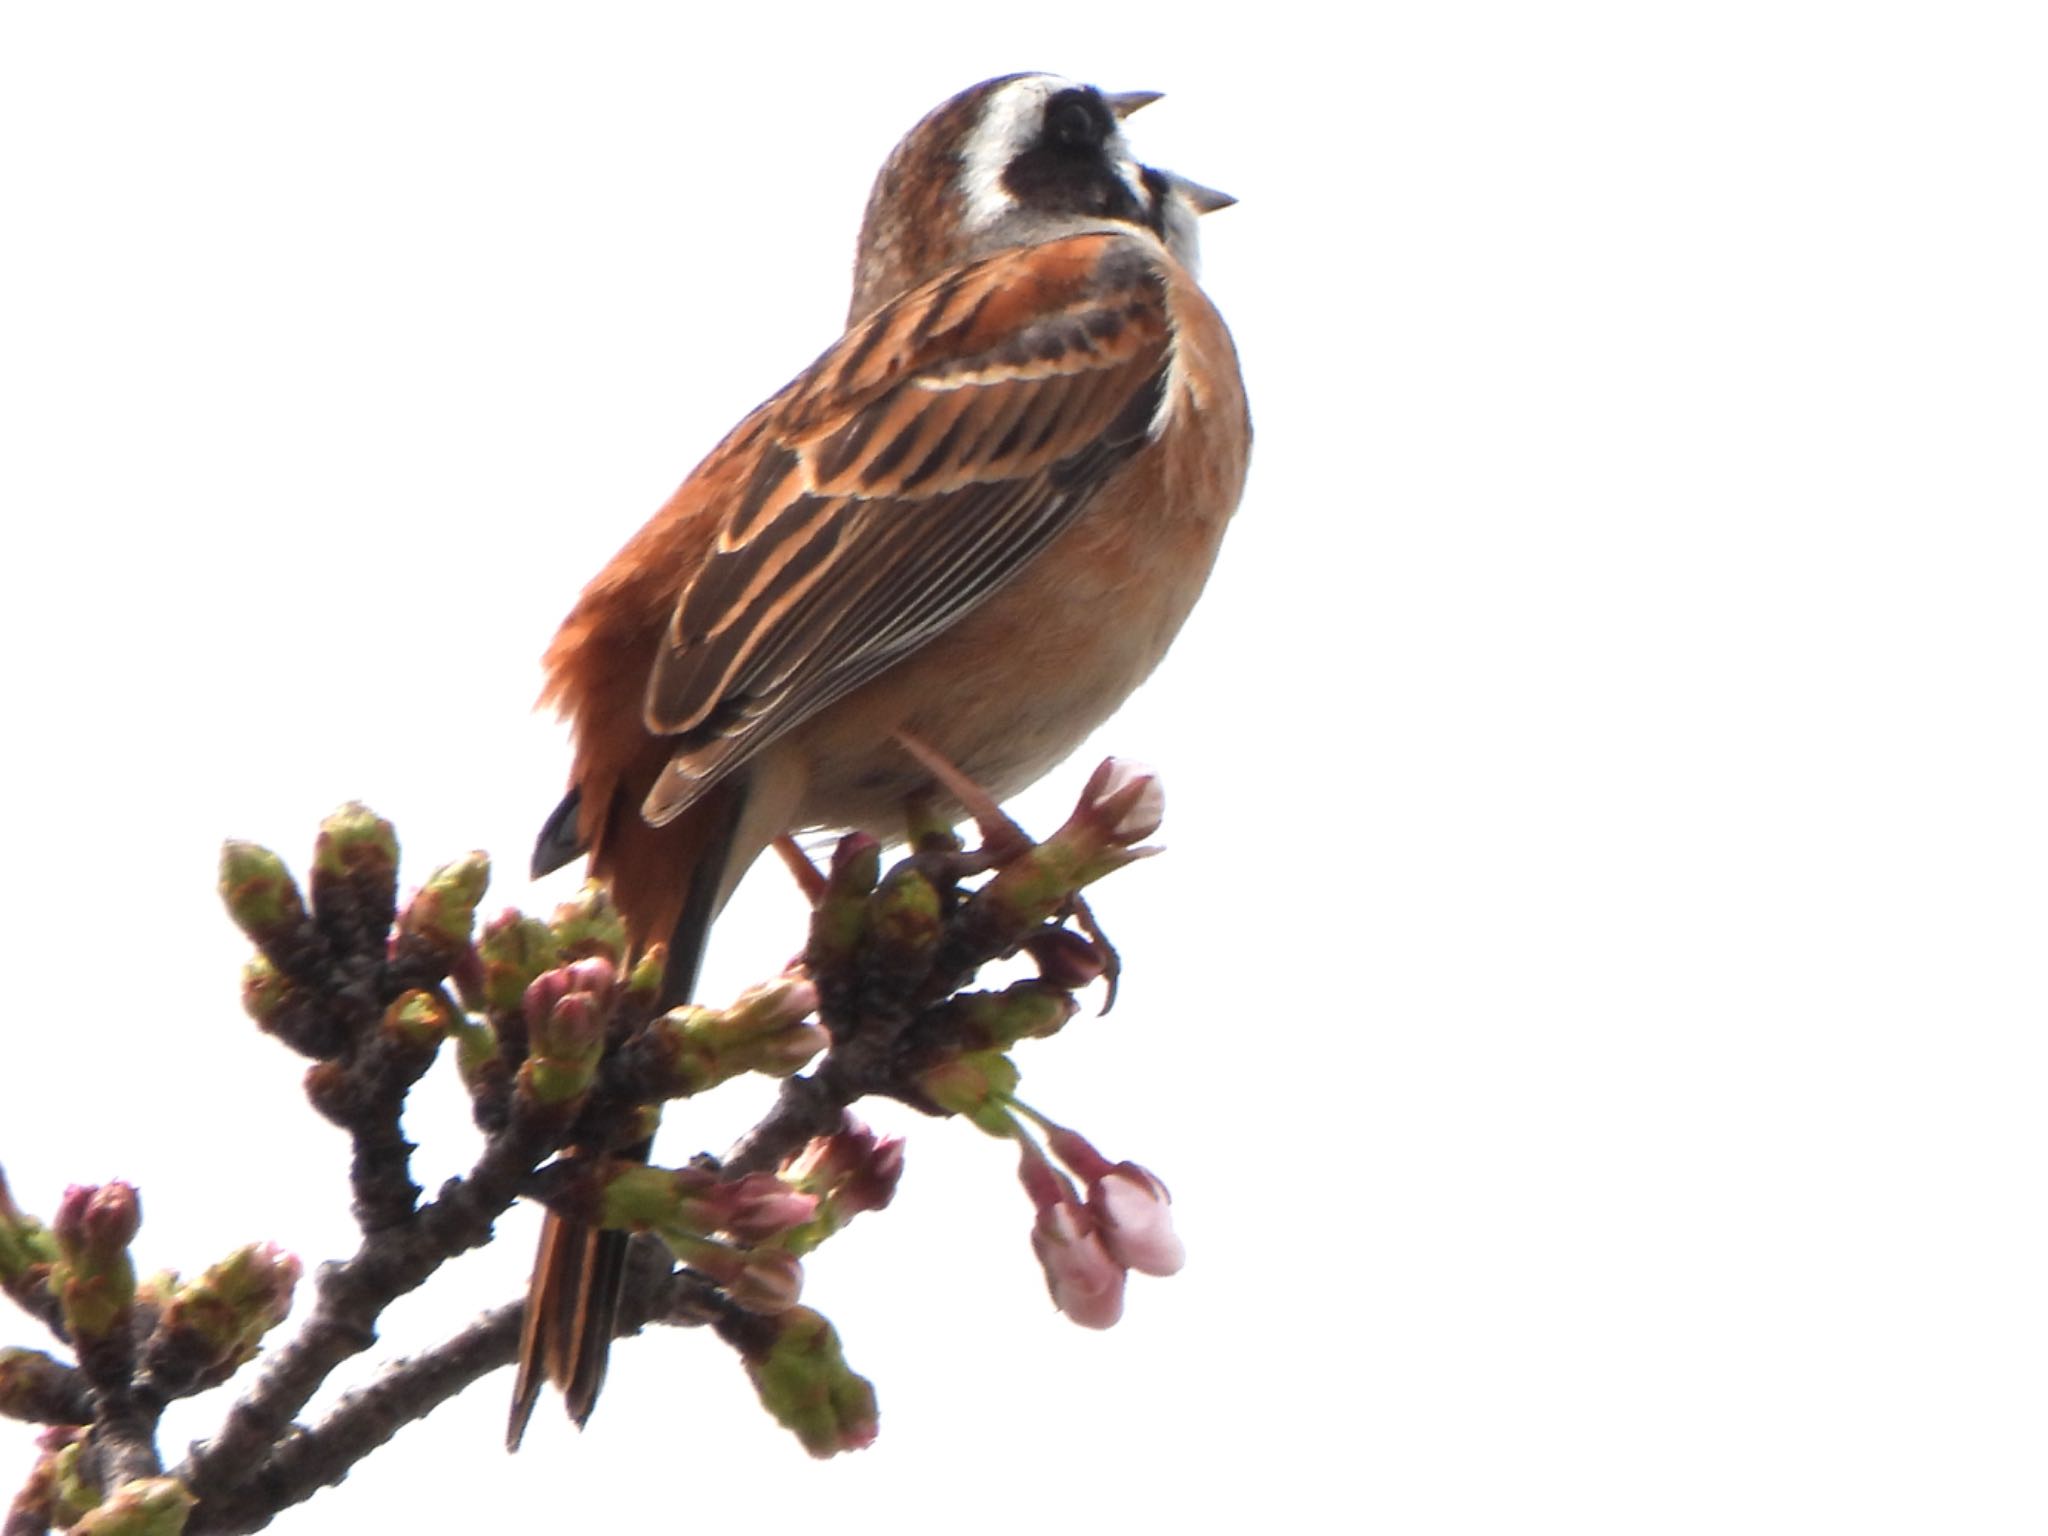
(1069, 123)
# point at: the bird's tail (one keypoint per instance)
(667, 883)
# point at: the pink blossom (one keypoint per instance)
(1085, 1281)
(852, 1169)
(1130, 1204)
(769, 1281)
(1137, 1224)
(1126, 798)
(759, 1206)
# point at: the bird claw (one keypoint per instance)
(1112, 962)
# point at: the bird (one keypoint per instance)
(965, 533)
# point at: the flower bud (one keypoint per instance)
(688, 1050)
(1131, 1211)
(416, 1023)
(438, 920)
(145, 1506)
(40, 1389)
(94, 1277)
(976, 1084)
(564, 1045)
(1124, 801)
(210, 1328)
(265, 992)
(355, 878)
(692, 1202)
(72, 1492)
(27, 1248)
(1025, 1010)
(1130, 1205)
(840, 916)
(848, 1172)
(1120, 806)
(261, 896)
(761, 1206)
(514, 950)
(590, 926)
(769, 1282)
(643, 984)
(1085, 1282)
(805, 1383)
(903, 927)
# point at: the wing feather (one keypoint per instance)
(900, 481)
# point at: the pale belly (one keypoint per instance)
(1016, 685)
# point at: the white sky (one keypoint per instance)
(1591, 1014)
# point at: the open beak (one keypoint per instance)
(1124, 103)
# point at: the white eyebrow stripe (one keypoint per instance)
(1009, 121)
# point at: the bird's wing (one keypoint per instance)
(899, 481)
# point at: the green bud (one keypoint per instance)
(805, 1383)
(840, 916)
(264, 993)
(904, 924)
(563, 1050)
(72, 1493)
(26, 1245)
(418, 1021)
(359, 846)
(1025, 1010)
(212, 1327)
(514, 950)
(94, 1276)
(978, 1085)
(640, 1198)
(590, 925)
(355, 877)
(643, 982)
(930, 831)
(764, 1031)
(41, 1389)
(260, 894)
(145, 1506)
(34, 1508)
(476, 1054)
(1039, 883)
(443, 911)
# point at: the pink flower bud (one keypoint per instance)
(1131, 1205)
(98, 1219)
(761, 1206)
(1136, 1220)
(595, 975)
(1125, 799)
(769, 1281)
(853, 1169)
(1085, 1282)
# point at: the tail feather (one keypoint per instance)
(561, 837)
(668, 883)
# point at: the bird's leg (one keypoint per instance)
(809, 878)
(1001, 838)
